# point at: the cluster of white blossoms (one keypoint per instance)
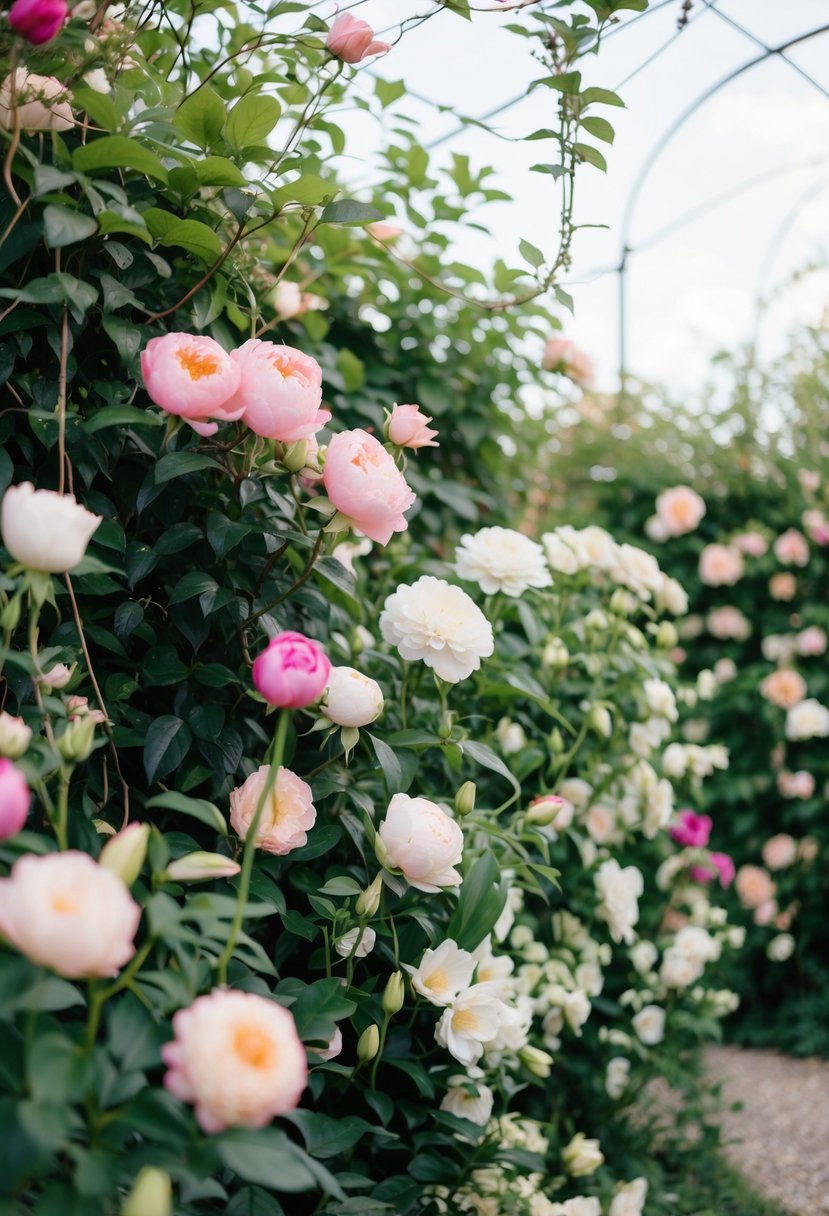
(619, 889)
(500, 559)
(807, 720)
(574, 550)
(680, 759)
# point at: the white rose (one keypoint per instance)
(500, 559)
(349, 942)
(350, 698)
(421, 839)
(671, 596)
(580, 1206)
(649, 1024)
(468, 1099)
(617, 1077)
(637, 570)
(629, 1200)
(659, 808)
(808, 720)
(695, 943)
(582, 1156)
(674, 760)
(562, 550)
(511, 736)
(780, 948)
(438, 623)
(44, 530)
(678, 970)
(660, 699)
(643, 956)
(15, 736)
(619, 890)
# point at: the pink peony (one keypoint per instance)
(64, 911)
(728, 622)
(280, 391)
(292, 671)
(352, 40)
(765, 912)
(817, 525)
(754, 886)
(680, 510)
(562, 355)
(796, 785)
(692, 830)
(783, 586)
(237, 1057)
(791, 548)
(366, 486)
(37, 20)
(287, 816)
(753, 544)
(407, 428)
(14, 799)
(784, 688)
(780, 852)
(720, 565)
(421, 839)
(724, 867)
(811, 641)
(193, 377)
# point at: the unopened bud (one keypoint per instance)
(151, 1194)
(666, 636)
(295, 455)
(555, 655)
(556, 741)
(544, 809)
(15, 736)
(124, 853)
(368, 1044)
(75, 744)
(197, 867)
(536, 1061)
(636, 637)
(596, 620)
(600, 721)
(10, 615)
(622, 602)
(368, 901)
(57, 676)
(447, 719)
(382, 853)
(465, 798)
(394, 994)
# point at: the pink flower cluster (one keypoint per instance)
(691, 830)
(718, 865)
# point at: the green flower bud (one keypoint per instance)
(555, 655)
(10, 616)
(556, 741)
(368, 901)
(124, 853)
(394, 994)
(151, 1194)
(368, 1044)
(596, 620)
(197, 867)
(620, 602)
(600, 721)
(447, 719)
(75, 744)
(295, 455)
(465, 798)
(536, 1061)
(666, 636)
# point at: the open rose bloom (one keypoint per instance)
(422, 840)
(287, 816)
(280, 391)
(193, 377)
(366, 486)
(43, 530)
(679, 510)
(352, 40)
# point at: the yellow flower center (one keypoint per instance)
(64, 905)
(253, 1046)
(197, 363)
(465, 1021)
(437, 980)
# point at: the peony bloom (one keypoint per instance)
(471, 1021)
(783, 586)
(500, 559)
(35, 103)
(15, 736)
(780, 852)
(811, 641)
(64, 911)
(43, 530)
(422, 840)
(357, 943)
(366, 486)
(192, 377)
(692, 831)
(237, 1057)
(438, 623)
(353, 40)
(753, 544)
(14, 799)
(720, 565)
(408, 428)
(719, 865)
(808, 720)
(468, 1098)
(679, 510)
(581, 1156)
(292, 671)
(619, 890)
(728, 622)
(350, 698)
(287, 816)
(796, 785)
(784, 688)
(563, 356)
(754, 886)
(443, 973)
(791, 548)
(649, 1024)
(37, 20)
(279, 391)
(629, 1199)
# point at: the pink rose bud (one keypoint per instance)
(407, 428)
(193, 377)
(124, 853)
(37, 20)
(198, 867)
(365, 484)
(353, 40)
(14, 799)
(292, 671)
(15, 736)
(280, 391)
(691, 830)
(57, 676)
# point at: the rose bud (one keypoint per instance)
(353, 40)
(124, 853)
(151, 1194)
(14, 799)
(37, 20)
(292, 671)
(15, 736)
(198, 867)
(43, 530)
(350, 698)
(407, 427)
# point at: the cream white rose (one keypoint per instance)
(582, 1156)
(421, 839)
(619, 890)
(649, 1024)
(629, 1199)
(808, 720)
(43, 530)
(500, 559)
(350, 698)
(433, 621)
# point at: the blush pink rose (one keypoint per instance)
(37, 20)
(408, 428)
(791, 548)
(817, 525)
(562, 355)
(720, 565)
(753, 544)
(280, 391)
(366, 486)
(679, 510)
(352, 40)
(754, 886)
(193, 377)
(64, 911)
(287, 816)
(419, 838)
(796, 785)
(766, 912)
(780, 852)
(15, 798)
(783, 586)
(237, 1057)
(811, 641)
(691, 830)
(784, 688)
(292, 671)
(728, 622)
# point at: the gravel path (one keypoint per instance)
(780, 1139)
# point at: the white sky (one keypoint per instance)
(696, 291)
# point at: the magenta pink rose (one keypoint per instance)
(692, 830)
(14, 799)
(365, 484)
(280, 391)
(352, 40)
(408, 428)
(292, 671)
(193, 377)
(37, 20)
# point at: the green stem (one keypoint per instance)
(98, 997)
(62, 819)
(378, 1057)
(277, 752)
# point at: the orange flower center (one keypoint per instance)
(437, 980)
(465, 1022)
(285, 367)
(197, 363)
(64, 905)
(253, 1047)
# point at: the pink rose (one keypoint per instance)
(728, 622)
(562, 355)
(784, 688)
(811, 641)
(287, 816)
(791, 548)
(35, 103)
(365, 484)
(780, 852)
(37, 20)
(751, 543)
(783, 586)
(292, 671)
(724, 866)
(64, 911)
(766, 912)
(720, 565)
(796, 785)
(754, 886)
(407, 428)
(680, 510)
(237, 1057)
(600, 822)
(692, 830)
(280, 391)
(193, 377)
(352, 40)
(817, 525)
(14, 799)
(421, 839)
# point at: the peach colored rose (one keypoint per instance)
(35, 103)
(766, 912)
(280, 391)
(754, 886)
(287, 816)
(680, 510)
(783, 586)
(352, 40)
(779, 852)
(600, 822)
(720, 565)
(562, 355)
(193, 377)
(64, 911)
(791, 548)
(421, 839)
(237, 1057)
(366, 486)
(784, 688)
(408, 428)
(384, 232)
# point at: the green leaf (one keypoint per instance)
(118, 152)
(481, 902)
(201, 117)
(599, 127)
(195, 237)
(219, 171)
(387, 91)
(566, 82)
(531, 254)
(486, 757)
(64, 226)
(326, 1137)
(253, 1201)
(318, 1008)
(389, 764)
(308, 190)
(349, 211)
(120, 415)
(197, 808)
(179, 464)
(167, 743)
(592, 156)
(58, 288)
(603, 96)
(269, 1158)
(251, 119)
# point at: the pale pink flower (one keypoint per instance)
(384, 232)
(335, 1046)
(292, 671)
(14, 799)
(728, 622)
(289, 300)
(791, 548)
(783, 586)
(779, 852)
(193, 377)
(753, 544)
(796, 785)
(237, 1057)
(35, 103)
(280, 391)
(287, 816)
(809, 480)
(78, 707)
(57, 676)
(754, 886)
(352, 40)
(408, 428)
(817, 525)
(766, 912)
(15, 736)
(366, 486)
(720, 565)
(600, 822)
(421, 839)
(562, 355)
(680, 510)
(811, 641)
(784, 688)
(64, 911)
